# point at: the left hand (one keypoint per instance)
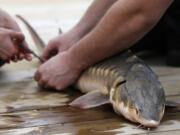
(58, 72)
(8, 23)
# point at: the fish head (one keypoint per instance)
(141, 98)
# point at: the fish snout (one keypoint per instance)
(150, 123)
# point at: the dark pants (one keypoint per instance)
(164, 38)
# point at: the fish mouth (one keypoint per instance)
(145, 122)
(131, 115)
(149, 123)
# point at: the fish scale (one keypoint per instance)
(98, 78)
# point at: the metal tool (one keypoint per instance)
(27, 49)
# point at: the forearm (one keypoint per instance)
(3, 18)
(124, 24)
(6, 21)
(92, 16)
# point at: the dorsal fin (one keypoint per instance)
(39, 43)
(60, 31)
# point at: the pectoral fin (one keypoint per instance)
(172, 103)
(90, 100)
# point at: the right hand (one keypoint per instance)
(58, 72)
(60, 43)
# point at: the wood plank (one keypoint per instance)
(61, 119)
(102, 127)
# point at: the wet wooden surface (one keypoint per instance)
(26, 109)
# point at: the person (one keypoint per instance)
(11, 40)
(108, 27)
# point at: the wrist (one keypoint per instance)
(76, 59)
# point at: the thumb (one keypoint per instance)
(49, 51)
(17, 36)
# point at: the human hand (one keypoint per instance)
(61, 43)
(58, 72)
(11, 33)
(10, 40)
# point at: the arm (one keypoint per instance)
(6, 21)
(92, 16)
(125, 23)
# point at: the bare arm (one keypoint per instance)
(125, 23)
(92, 16)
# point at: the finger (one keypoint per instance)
(49, 86)
(27, 55)
(13, 52)
(16, 58)
(10, 50)
(13, 58)
(37, 76)
(44, 86)
(4, 57)
(24, 54)
(8, 61)
(41, 83)
(20, 56)
(47, 53)
(18, 37)
(55, 84)
(60, 87)
(41, 86)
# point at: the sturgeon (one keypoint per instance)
(128, 84)
(125, 82)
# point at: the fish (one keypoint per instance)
(128, 84)
(124, 81)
